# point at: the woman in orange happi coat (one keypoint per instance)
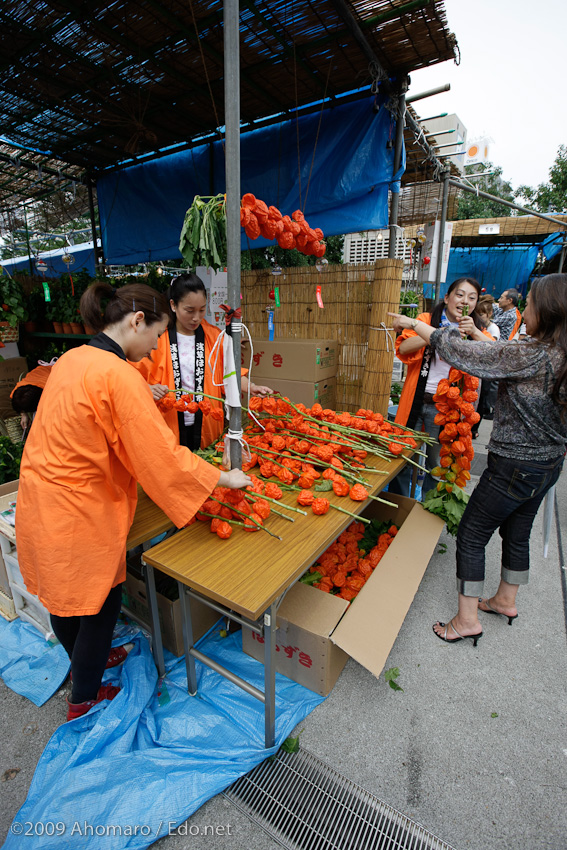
(98, 432)
(182, 363)
(416, 408)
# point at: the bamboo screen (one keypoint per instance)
(356, 300)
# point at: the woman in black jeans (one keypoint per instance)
(526, 449)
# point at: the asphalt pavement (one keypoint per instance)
(474, 748)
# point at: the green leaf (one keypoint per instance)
(390, 676)
(310, 578)
(323, 486)
(494, 714)
(291, 745)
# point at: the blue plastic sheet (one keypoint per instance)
(346, 162)
(499, 267)
(83, 255)
(30, 665)
(137, 767)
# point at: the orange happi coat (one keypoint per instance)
(96, 433)
(159, 370)
(36, 378)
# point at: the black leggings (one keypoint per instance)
(87, 642)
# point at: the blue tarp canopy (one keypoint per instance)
(336, 166)
(498, 267)
(83, 255)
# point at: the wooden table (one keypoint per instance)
(246, 577)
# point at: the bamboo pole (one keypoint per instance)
(380, 356)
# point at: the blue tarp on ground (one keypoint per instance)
(137, 767)
(83, 255)
(346, 155)
(499, 267)
(30, 665)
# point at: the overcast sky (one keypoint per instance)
(510, 83)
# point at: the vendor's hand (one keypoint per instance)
(261, 391)
(235, 479)
(24, 420)
(159, 391)
(400, 322)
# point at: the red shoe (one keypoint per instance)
(118, 654)
(77, 709)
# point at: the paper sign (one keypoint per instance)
(277, 295)
(319, 297)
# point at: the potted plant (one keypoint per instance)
(52, 310)
(36, 309)
(67, 311)
(13, 308)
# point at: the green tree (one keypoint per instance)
(551, 196)
(471, 206)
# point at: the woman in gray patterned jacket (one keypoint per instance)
(526, 448)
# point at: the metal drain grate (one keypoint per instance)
(305, 805)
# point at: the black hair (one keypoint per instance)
(183, 284)
(26, 399)
(547, 295)
(121, 302)
(437, 311)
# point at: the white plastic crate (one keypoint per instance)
(371, 245)
(397, 371)
(26, 605)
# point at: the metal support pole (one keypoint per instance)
(562, 257)
(512, 206)
(398, 146)
(232, 166)
(28, 241)
(441, 242)
(98, 257)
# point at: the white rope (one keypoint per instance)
(238, 436)
(389, 340)
(213, 366)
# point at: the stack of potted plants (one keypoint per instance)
(13, 309)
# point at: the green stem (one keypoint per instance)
(274, 511)
(275, 502)
(344, 511)
(233, 508)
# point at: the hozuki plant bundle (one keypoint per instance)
(258, 219)
(454, 400)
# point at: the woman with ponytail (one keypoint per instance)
(98, 432)
(182, 363)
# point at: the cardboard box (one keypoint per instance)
(317, 632)
(293, 359)
(304, 392)
(10, 372)
(171, 620)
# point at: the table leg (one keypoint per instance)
(157, 645)
(188, 640)
(270, 626)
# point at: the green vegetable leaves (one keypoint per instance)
(372, 533)
(323, 485)
(310, 578)
(391, 675)
(203, 237)
(449, 506)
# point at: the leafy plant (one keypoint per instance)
(10, 457)
(203, 236)
(13, 302)
(395, 392)
(449, 506)
(36, 304)
(372, 532)
(408, 297)
(391, 675)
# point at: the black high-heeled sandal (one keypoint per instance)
(475, 638)
(491, 610)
